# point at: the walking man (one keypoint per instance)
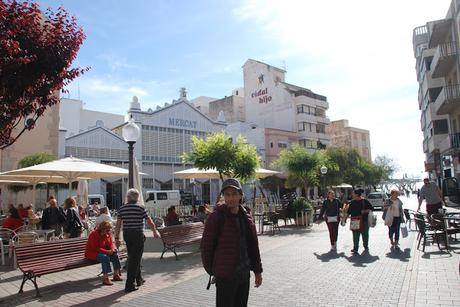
(432, 195)
(132, 215)
(230, 249)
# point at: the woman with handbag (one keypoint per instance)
(331, 211)
(393, 207)
(358, 210)
(73, 226)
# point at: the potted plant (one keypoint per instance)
(301, 204)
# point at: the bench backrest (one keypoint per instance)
(72, 248)
(184, 232)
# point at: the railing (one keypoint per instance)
(455, 140)
(448, 49)
(452, 92)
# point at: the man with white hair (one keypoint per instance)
(132, 216)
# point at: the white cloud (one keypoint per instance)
(357, 53)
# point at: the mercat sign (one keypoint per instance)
(184, 123)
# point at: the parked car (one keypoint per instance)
(376, 199)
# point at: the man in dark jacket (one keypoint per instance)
(53, 217)
(230, 249)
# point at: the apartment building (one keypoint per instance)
(342, 135)
(436, 46)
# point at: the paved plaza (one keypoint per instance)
(299, 270)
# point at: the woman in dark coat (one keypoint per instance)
(331, 212)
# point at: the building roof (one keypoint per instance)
(271, 66)
(93, 129)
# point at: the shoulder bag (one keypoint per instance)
(333, 218)
(356, 222)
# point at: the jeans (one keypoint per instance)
(105, 260)
(233, 292)
(135, 245)
(333, 231)
(357, 234)
(394, 228)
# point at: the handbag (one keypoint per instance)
(404, 231)
(333, 218)
(372, 219)
(356, 223)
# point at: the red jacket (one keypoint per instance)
(220, 253)
(12, 223)
(98, 244)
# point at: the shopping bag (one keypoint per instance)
(404, 231)
(372, 219)
(388, 218)
(356, 223)
(332, 219)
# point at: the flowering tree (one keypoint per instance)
(36, 52)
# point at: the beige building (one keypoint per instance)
(436, 46)
(342, 135)
(43, 138)
(277, 140)
(232, 107)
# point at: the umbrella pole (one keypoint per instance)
(33, 196)
(70, 188)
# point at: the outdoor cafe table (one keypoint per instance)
(47, 234)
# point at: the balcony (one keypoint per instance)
(439, 30)
(448, 100)
(455, 141)
(444, 59)
(425, 146)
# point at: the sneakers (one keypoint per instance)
(140, 282)
(354, 251)
(333, 247)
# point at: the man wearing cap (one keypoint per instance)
(230, 249)
(432, 195)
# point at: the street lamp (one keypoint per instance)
(131, 133)
(323, 170)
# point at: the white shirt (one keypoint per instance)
(395, 207)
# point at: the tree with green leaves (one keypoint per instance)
(36, 158)
(348, 162)
(302, 166)
(218, 151)
(388, 164)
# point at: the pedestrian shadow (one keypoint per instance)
(403, 255)
(330, 255)
(361, 260)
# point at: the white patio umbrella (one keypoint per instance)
(71, 169)
(82, 193)
(32, 180)
(138, 181)
(212, 173)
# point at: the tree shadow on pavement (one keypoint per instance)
(360, 260)
(403, 255)
(330, 255)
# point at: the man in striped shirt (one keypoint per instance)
(132, 216)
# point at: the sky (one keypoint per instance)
(358, 53)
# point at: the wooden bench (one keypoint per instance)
(179, 235)
(37, 259)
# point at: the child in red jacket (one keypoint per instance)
(101, 248)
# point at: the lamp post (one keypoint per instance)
(131, 133)
(323, 170)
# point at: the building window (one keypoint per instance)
(271, 144)
(440, 126)
(282, 145)
(300, 126)
(320, 128)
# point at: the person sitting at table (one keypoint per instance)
(201, 216)
(172, 217)
(22, 212)
(82, 212)
(53, 217)
(100, 248)
(13, 221)
(103, 216)
(33, 218)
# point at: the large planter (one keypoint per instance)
(303, 218)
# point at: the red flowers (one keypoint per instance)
(36, 52)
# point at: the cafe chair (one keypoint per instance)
(6, 242)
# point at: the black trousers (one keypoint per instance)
(233, 292)
(135, 244)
